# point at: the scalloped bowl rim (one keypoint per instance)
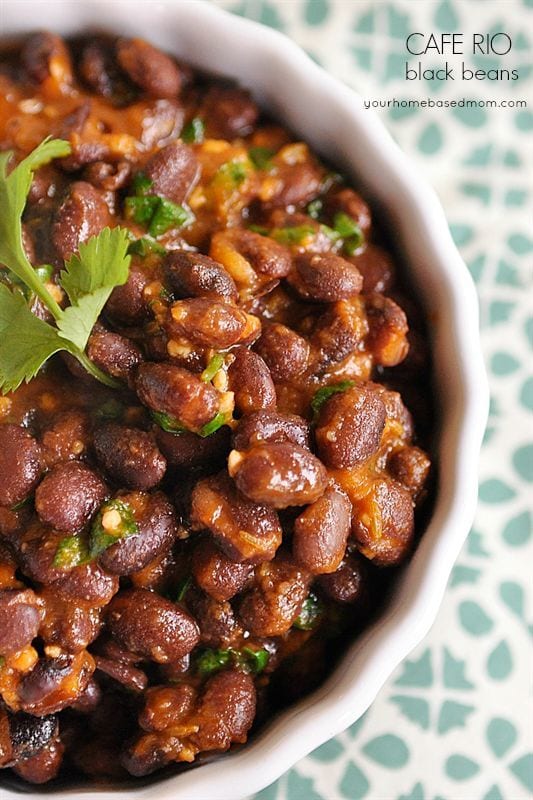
(331, 117)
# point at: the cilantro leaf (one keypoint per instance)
(89, 279)
(26, 342)
(14, 190)
(102, 263)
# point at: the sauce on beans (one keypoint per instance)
(183, 555)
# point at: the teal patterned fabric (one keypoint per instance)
(454, 722)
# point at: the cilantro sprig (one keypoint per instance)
(88, 279)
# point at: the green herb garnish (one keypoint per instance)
(296, 235)
(247, 659)
(155, 213)
(111, 409)
(141, 209)
(22, 504)
(323, 395)
(114, 521)
(232, 173)
(194, 131)
(217, 422)
(167, 423)
(255, 660)
(314, 209)
(172, 425)
(145, 247)
(141, 184)
(259, 229)
(183, 587)
(212, 368)
(261, 157)
(349, 230)
(310, 614)
(27, 342)
(168, 215)
(72, 551)
(211, 661)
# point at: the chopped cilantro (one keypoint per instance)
(211, 661)
(194, 131)
(114, 521)
(261, 157)
(310, 614)
(296, 235)
(212, 368)
(72, 551)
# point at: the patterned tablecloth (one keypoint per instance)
(455, 721)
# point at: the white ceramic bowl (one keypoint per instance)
(331, 117)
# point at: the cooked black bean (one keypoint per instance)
(350, 426)
(276, 598)
(383, 523)
(244, 530)
(44, 766)
(209, 323)
(69, 496)
(151, 626)
(215, 573)
(20, 617)
(173, 171)
(114, 354)
(278, 474)
(189, 451)
(128, 676)
(321, 532)
(229, 112)
(45, 53)
(410, 466)
(195, 275)
(156, 530)
(127, 303)
(69, 624)
(150, 69)
(177, 392)
(250, 380)
(387, 337)
(377, 268)
(82, 214)
(54, 683)
(30, 734)
(349, 583)
(284, 351)
(270, 426)
(218, 623)
(129, 456)
(325, 277)
(21, 464)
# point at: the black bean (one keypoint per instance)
(129, 456)
(20, 464)
(69, 496)
(20, 617)
(151, 626)
(156, 530)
